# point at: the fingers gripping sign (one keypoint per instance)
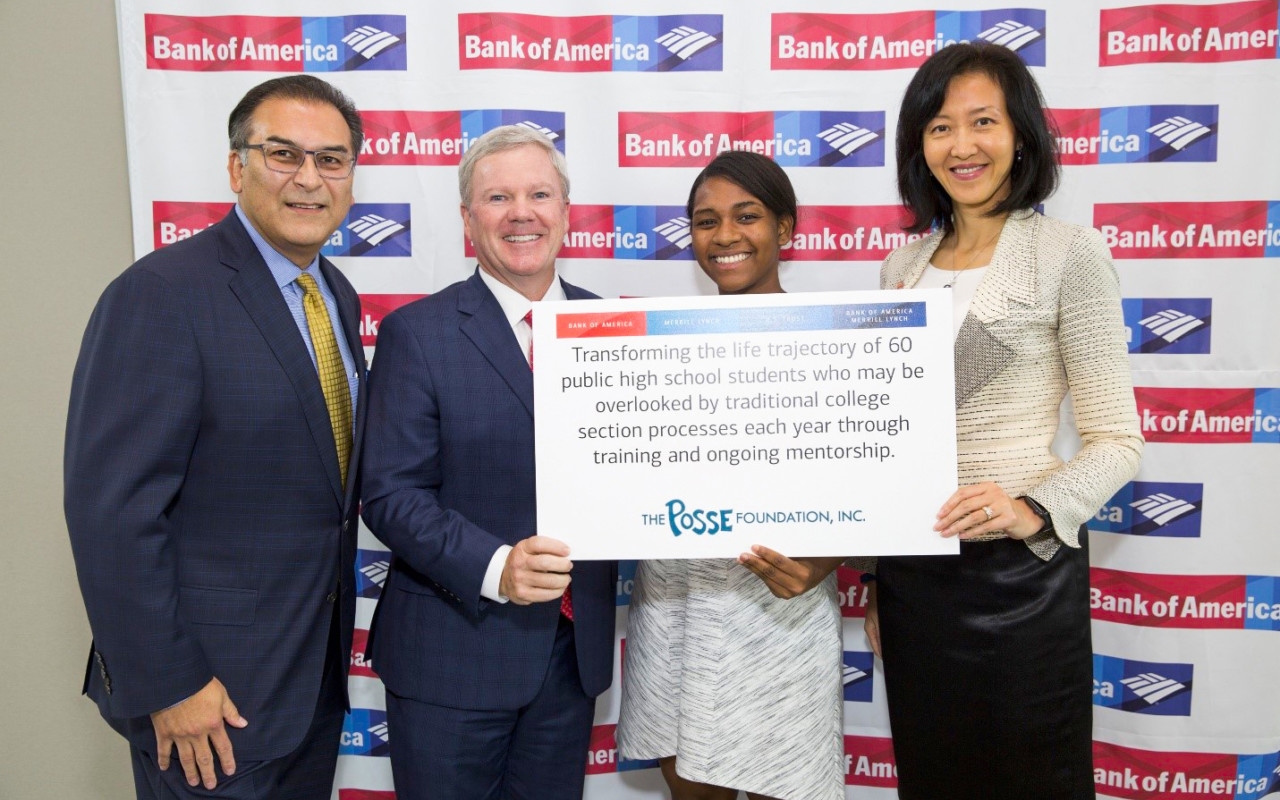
(192, 726)
(537, 570)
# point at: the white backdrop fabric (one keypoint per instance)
(1165, 112)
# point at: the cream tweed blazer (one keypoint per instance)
(1045, 319)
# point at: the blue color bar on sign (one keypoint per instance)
(786, 318)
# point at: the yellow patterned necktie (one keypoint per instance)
(333, 376)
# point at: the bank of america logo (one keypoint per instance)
(1011, 34)
(533, 126)
(685, 41)
(1179, 132)
(368, 41)
(847, 137)
(1153, 687)
(1171, 325)
(853, 674)
(677, 231)
(377, 572)
(380, 730)
(375, 229)
(1162, 508)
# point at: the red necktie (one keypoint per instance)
(566, 599)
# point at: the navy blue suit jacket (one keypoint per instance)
(449, 477)
(207, 517)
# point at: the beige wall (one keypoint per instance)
(64, 233)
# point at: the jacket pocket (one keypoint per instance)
(203, 605)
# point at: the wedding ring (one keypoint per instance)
(987, 510)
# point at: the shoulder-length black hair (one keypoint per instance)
(757, 175)
(1035, 170)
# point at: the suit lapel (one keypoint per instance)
(1011, 276)
(257, 291)
(484, 324)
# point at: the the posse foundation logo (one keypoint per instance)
(1209, 416)
(1143, 508)
(1188, 33)
(439, 138)
(591, 44)
(1135, 774)
(1133, 134)
(1142, 687)
(373, 309)
(900, 40)
(364, 733)
(869, 761)
(275, 44)
(791, 138)
(857, 676)
(1168, 325)
(602, 754)
(361, 662)
(1223, 229)
(1226, 602)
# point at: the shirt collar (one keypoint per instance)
(515, 305)
(282, 269)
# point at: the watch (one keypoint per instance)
(1046, 521)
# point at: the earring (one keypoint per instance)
(1017, 154)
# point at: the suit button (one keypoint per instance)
(331, 598)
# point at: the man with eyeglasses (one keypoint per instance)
(211, 472)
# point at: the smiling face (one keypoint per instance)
(296, 213)
(970, 144)
(736, 239)
(517, 217)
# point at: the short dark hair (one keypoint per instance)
(307, 88)
(757, 175)
(1035, 169)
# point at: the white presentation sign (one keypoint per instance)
(695, 427)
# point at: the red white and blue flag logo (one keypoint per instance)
(1145, 508)
(901, 40)
(1168, 33)
(1135, 774)
(1142, 687)
(276, 44)
(791, 138)
(364, 733)
(686, 42)
(1218, 602)
(439, 138)
(1168, 325)
(1206, 229)
(1137, 134)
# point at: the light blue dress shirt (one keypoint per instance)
(286, 274)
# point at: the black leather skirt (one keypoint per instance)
(988, 667)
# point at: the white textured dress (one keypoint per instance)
(744, 688)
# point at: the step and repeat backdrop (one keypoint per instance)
(1167, 116)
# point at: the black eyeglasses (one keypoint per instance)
(287, 159)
